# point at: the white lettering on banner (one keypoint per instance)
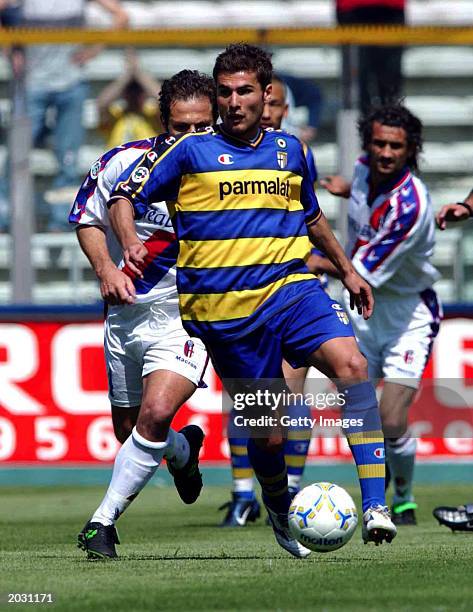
(418, 429)
(21, 364)
(459, 437)
(49, 432)
(101, 441)
(66, 370)
(450, 358)
(7, 439)
(207, 400)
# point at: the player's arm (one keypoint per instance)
(153, 177)
(115, 286)
(361, 295)
(336, 185)
(122, 220)
(460, 211)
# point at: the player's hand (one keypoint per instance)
(134, 257)
(116, 287)
(361, 295)
(451, 212)
(336, 185)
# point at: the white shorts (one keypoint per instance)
(398, 338)
(142, 338)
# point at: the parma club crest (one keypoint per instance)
(282, 159)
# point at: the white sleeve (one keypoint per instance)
(383, 255)
(90, 205)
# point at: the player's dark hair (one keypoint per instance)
(394, 115)
(242, 57)
(182, 86)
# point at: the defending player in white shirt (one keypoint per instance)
(390, 240)
(153, 365)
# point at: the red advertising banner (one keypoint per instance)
(54, 407)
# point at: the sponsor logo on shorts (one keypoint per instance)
(409, 356)
(337, 306)
(379, 452)
(186, 361)
(189, 348)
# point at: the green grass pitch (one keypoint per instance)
(173, 557)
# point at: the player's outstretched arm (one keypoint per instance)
(115, 286)
(123, 224)
(361, 295)
(336, 185)
(460, 211)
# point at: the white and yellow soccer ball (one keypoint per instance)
(323, 517)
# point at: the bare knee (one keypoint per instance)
(352, 367)
(394, 425)
(155, 417)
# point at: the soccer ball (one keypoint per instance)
(322, 517)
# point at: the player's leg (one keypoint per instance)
(247, 366)
(124, 419)
(163, 392)
(297, 442)
(412, 322)
(244, 506)
(394, 406)
(319, 334)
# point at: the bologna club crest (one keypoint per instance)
(189, 348)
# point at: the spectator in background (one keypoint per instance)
(302, 92)
(9, 16)
(128, 107)
(380, 68)
(55, 81)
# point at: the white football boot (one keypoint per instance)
(284, 538)
(377, 525)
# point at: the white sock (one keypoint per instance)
(177, 450)
(294, 481)
(401, 456)
(136, 462)
(243, 485)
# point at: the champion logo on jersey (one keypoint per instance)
(282, 159)
(379, 452)
(152, 156)
(170, 140)
(189, 348)
(409, 356)
(94, 171)
(225, 159)
(336, 306)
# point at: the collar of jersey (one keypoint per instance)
(241, 141)
(391, 186)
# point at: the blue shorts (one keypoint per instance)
(293, 333)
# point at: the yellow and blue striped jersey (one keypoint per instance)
(240, 212)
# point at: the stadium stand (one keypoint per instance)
(438, 91)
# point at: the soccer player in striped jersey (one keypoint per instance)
(243, 208)
(244, 506)
(153, 365)
(391, 239)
